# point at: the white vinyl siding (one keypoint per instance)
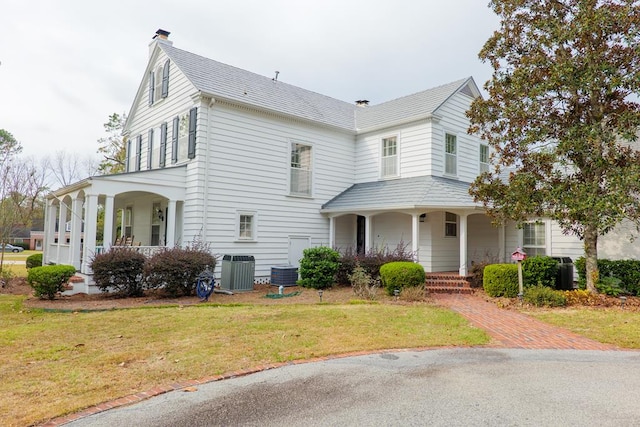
(451, 154)
(300, 177)
(389, 157)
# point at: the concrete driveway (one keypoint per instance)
(445, 387)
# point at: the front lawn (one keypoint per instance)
(53, 363)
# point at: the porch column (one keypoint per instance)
(170, 238)
(332, 232)
(90, 218)
(463, 245)
(107, 231)
(62, 228)
(49, 233)
(415, 236)
(367, 233)
(502, 237)
(76, 233)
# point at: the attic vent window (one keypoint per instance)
(362, 103)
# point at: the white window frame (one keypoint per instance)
(448, 222)
(389, 163)
(450, 158)
(483, 158)
(300, 171)
(539, 244)
(241, 220)
(157, 80)
(183, 136)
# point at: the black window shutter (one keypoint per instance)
(191, 153)
(126, 159)
(165, 80)
(139, 153)
(150, 149)
(151, 87)
(163, 144)
(174, 140)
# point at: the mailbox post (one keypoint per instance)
(519, 255)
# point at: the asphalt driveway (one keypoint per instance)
(444, 387)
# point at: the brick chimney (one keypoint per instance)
(161, 36)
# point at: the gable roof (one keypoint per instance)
(223, 81)
(404, 193)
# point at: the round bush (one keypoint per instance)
(34, 260)
(48, 280)
(501, 280)
(119, 270)
(401, 274)
(318, 267)
(176, 270)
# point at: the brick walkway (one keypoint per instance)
(511, 329)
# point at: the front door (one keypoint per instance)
(360, 235)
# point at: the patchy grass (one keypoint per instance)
(53, 363)
(607, 325)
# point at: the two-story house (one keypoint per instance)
(253, 165)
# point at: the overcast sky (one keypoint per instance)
(66, 65)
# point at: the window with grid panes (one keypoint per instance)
(389, 164)
(451, 155)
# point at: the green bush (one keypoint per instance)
(609, 286)
(34, 260)
(401, 274)
(48, 280)
(627, 270)
(501, 280)
(370, 261)
(539, 270)
(318, 267)
(543, 296)
(176, 270)
(119, 270)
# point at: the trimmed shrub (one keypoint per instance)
(370, 261)
(543, 296)
(120, 270)
(176, 270)
(48, 280)
(627, 270)
(318, 267)
(34, 260)
(539, 270)
(501, 280)
(401, 274)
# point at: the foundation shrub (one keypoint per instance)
(318, 267)
(544, 296)
(609, 286)
(539, 270)
(48, 280)
(401, 274)
(34, 260)
(119, 270)
(627, 270)
(363, 285)
(370, 261)
(501, 280)
(176, 270)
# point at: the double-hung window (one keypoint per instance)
(484, 158)
(534, 238)
(450, 224)
(389, 157)
(451, 154)
(300, 168)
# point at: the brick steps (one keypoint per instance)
(449, 283)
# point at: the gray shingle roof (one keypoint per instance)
(404, 193)
(238, 85)
(218, 79)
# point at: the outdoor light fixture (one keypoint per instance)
(160, 215)
(320, 294)
(396, 292)
(623, 299)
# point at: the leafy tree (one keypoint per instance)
(9, 149)
(113, 147)
(561, 117)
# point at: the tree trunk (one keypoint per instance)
(591, 257)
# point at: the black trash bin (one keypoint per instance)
(564, 278)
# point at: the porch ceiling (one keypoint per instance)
(405, 193)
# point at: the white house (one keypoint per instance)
(253, 165)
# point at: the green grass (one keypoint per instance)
(55, 363)
(611, 326)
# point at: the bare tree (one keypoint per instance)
(65, 168)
